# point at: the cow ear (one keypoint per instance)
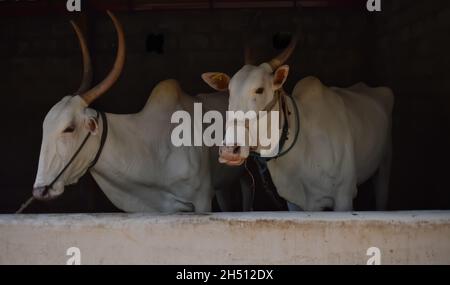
(280, 76)
(217, 80)
(91, 124)
(90, 121)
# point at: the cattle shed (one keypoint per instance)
(404, 46)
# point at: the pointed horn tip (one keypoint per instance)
(277, 61)
(116, 22)
(111, 14)
(91, 95)
(74, 24)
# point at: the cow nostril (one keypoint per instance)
(37, 191)
(45, 191)
(236, 149)
(40, 191)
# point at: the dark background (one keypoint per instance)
(405, 47)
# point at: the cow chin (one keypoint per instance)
(237, 162)
(40, 193)
(233, 158)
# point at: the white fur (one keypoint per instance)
(345, 138)
(139, 169)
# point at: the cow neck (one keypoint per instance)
(279, 102)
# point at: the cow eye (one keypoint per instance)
(70, 129)
(259, 91)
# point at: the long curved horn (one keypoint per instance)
(87, 63)
(91, 95)
(284, 55)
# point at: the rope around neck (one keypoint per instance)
(284, 133)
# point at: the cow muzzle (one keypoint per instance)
(46, 193)
(233, 155)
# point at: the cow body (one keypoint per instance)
(137, 166)
(141, 171)
(345, 134)
(344, 140)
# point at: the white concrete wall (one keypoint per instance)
(249, 238)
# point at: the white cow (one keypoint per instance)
(344, 138)
(131, 157)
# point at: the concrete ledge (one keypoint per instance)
(244, 238)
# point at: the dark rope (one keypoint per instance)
(284, 135)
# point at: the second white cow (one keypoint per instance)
(344, 137)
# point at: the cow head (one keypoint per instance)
(69, 122)
(252, 88)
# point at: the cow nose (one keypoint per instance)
(40, 192)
